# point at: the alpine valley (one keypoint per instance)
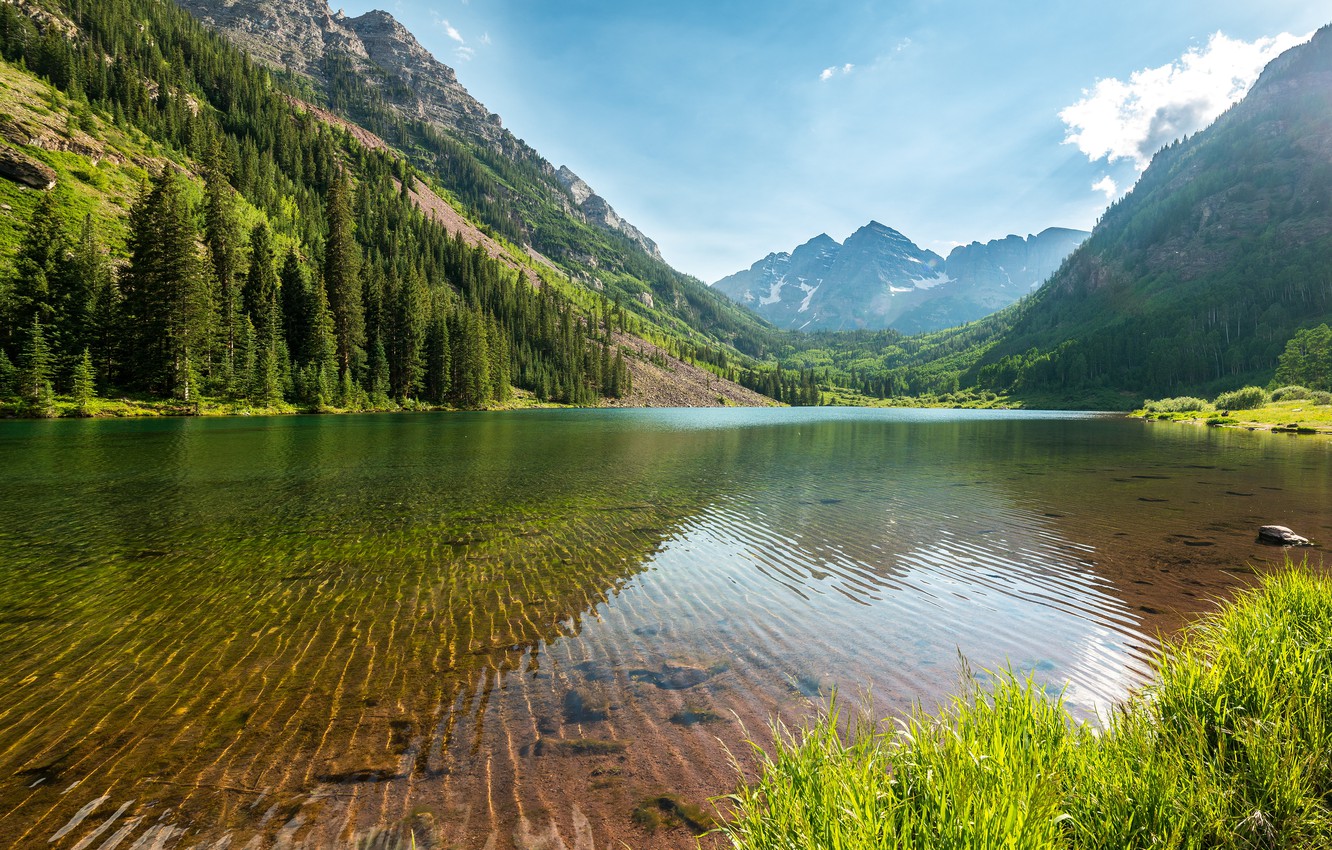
(360, 233)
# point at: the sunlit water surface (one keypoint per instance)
(512, 629)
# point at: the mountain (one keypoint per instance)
(881, 279)
(185, 226)
(372, 72)
(1195, 280)
(304, 37)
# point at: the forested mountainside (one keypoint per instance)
(1195, 282)
(1199, 277)
(177, 221)
(371, 70)
(880, 279)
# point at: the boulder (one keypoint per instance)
(26, 171)
(1279, 535)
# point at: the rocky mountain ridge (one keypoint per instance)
(881, 279)
(306, 37)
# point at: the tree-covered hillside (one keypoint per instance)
(207, 235)
(1197, 278)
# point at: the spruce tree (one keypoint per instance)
(83, 383)
(35, 380)
(342, 270)
(222, 240)
(165, 305)
(37, 270)
(260, 299)
(437, 358)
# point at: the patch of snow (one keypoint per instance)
(775, 293)
(809, 293)
(894, 289)
(931, 282)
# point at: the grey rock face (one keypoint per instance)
(597, 211)
(881, 279)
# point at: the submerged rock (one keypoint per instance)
(1279, 535)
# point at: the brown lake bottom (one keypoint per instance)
(553, 629)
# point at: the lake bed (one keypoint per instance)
(504, 629)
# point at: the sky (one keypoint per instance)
(726, 130)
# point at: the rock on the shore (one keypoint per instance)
(1279, 535)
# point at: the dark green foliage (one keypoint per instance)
(398, 307)
(221, 239)
(342, 268)
(260, 299)
(1246, 398)
(8, 375)
(39, 271)
(83, 383)
(166, 309)
(1307, 359)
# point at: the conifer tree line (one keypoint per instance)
(340, 293)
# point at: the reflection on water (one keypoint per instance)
(513, 628)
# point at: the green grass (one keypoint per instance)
(1289, 414)
(1229, 747)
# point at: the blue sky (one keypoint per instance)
(726, 130)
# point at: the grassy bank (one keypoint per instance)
(1296, 410)
(1229, 747)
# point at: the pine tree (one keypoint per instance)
(8, 375)
(342, 269)
(35, 379)
(37, 268)
(221, 239)
(437, 358)
(165, 306)
(83, 383)
(86, 276)
(260, 300)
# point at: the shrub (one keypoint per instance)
(1290, 393)
(1320, 397)
(1180, 404)
(1246, 398)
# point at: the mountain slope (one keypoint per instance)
(1197, 278)
(881, 279)
(370, 70)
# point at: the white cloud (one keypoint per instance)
(830, 72)
(451, 31)
(465, 53)
(1107, 185)
(1132, 120)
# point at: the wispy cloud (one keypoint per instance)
(832, 71)
(451, 31)
(1108, 186)
(463, 51)
(1132, 120)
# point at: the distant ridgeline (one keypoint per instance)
(881, 279)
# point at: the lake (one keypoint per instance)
(524, 629)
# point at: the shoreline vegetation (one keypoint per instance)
(1229, 746)
(1288, 410)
